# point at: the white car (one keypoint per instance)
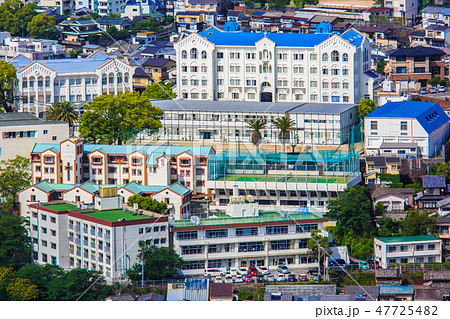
(263, 270)
(281, 278)
(239, 279)
(234, 271)
(229, 279)
(218, 280)
(432, 90)
(242, 271)
(442, 89)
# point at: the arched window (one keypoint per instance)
(325, 57)
(40, 82)
(324, 85)
(345, 84)
(325, 98)
(184, 80)
(325, 71)
(345, 98)
(47, 81)
(24, 83)
(126, 77)
(193, 53)
(335, 97)
(104, 79)
(119, 78)
(335, 56)
(345, 57)
(204, 55)
(111, 78)
(184, 54)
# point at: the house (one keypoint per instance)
(443, 227)
(381, 36)
(391, 277)
(64, 7)
(405, 9)
(362, 293)
(125, 297)
(103, 8)
(433, 15)
(434, 35)
(406, 129)
(437, 280)
(380, 164)
(20, 131)
(143, 38)
(393, 199)
(413, 67)
(136, 8)
(190, 21)
(396, 293)
(235, 15)
(151, 297)
(156, 70)
(434, 189)
(373, 13)
(75, 32)
(221, 292)
(407, 249)
(119, 23)
(33, 49)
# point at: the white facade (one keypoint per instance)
(102, 7)
(411, 249)
(406, 9)
(328, 69)
(33, 49)
(66, 6)
(139, 8)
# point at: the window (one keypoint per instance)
(325, 71)
(431, 247)
(220, 55)
(335, 56)
(400, 69)
(53, 245)
(280, 245)
(325, 57)
(345, 57)
(191, 250)
(306, 228)
(247, 231)
(373, 125)
(419, 247)
(313, 56)
(44, 258)
(184, 54)
(344, 71)
(193, 53)
(298, 56)
(186, 235)
(275, 230)
(334, 71)
(204, 55)
(403, 126)
(313, 70)
(220, 68)
(216, 233)
(251, 246)
(418, 70)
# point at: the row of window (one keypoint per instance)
(267, 55)
(403, 125)
(156, 229)
(281, 96)
(74, 81)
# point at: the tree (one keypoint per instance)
(388, 227)
(313, 245)
(379, 3)
(62, 111)
(159, 263)
(14, 17)
(113, 119)
(417, 223)
(285, 125)
(302, 3)
(73, 54)
(440, 169)
(7, 80)
(380, 67)
(365, 106)
(148, 203)
(278, 3)
(160, 91)
(21, 289)
(40, 275)
(146, 25)
(256, 125)
(15, 245)
(14, 176)
(435, 80)
(42, 26)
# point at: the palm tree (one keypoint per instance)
(285, 125)
(62, 111)
(256, 125)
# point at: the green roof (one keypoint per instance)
(115, 214)
(179, 189)
(60, 207)
(402, 239)
(262, 218)
(49, 187)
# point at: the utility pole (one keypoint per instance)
(142, 269)
(319, 259)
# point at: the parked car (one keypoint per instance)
(239, 279)
(249, 278)
(302, 277)
(291, 278)
(271, 278)
(264, 270)
(229, 279)
(315, 278)
(433, 90)
(260, 278)
(281, 278)
(252, 271)
(363, 265)
(218, 280)
(315, 271)
(442, 89)
(242, 271)
(283, 269)
(337, 262)
(233, 271)
(213, 273)
(423, 91)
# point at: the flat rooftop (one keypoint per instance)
(403, 239)
(114, 215)
(61, 207)
(22, 119)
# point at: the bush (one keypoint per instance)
(362, 278)
(148, 203)
(245, 295)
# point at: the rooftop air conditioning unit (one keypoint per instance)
(195, 220)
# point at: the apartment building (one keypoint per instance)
(103, 240)
(24, 129)
(413, 67)
(72, 162)
(245, 237)
(102, 7)
(42, 82)
(33, 49)
(190, 21)
(272, 67)
(151, 70)
(405, 9)
(406, 129)
(407, 249)
(223, 121)
(432, 15)
(65, 6)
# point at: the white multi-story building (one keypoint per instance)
(246, 237)
(43, 82)
(407, 249)
(406, 129)
(273, 67)
(65, 6)
(405, 9)
(33, 49)
(72, 162)
(102, 7)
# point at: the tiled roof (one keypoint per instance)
(404, 239)
(221, 290)
(416, 51)
(41, 147)
(401, 192)
(437, 27)
(432, 9)
(151, 297)
(437, 276)
(179, 189)
(396, 290)
(115, 21)
(434, 181)
(48, 187)
(387, 273)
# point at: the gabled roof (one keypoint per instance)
(432, 9)
(437, 27)
(49, 187)
(90, 187)
(401, 192)
(179, 189)
(41, 147)
(353, 36)
(434, 181)
(223, 290)
(429, 114)
(151, 297)
(416, 51)
(115, 21)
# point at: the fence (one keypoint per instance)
(421, 267)
(159, 283)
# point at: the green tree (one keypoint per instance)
(365, 106)
(160, 91)
(148, 203)
(113, 119)
(285, 125)
(14, 176)
(380, 67)
(417, 223)
(379, 209)
(40, 275)
(278, 3)
(7, 81)
(15, 245)
(62, 111)
(313, 246)
(159, 263)
(42, 26)
(14, 16)
(388, 227)
(256, 125)
(21, 289)
(73, 54)
(435, 80)
(440, 169)
(302, 3)
(146, 25)
(379, 3)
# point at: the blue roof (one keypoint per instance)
(371, 74)
(41, 147)
(432, 9)
(353, 36)
(445, 11)
(429, 114)
(250, 38)
(139, 189)
(196, 283)
(396, 290)
(79, 65)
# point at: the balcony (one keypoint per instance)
(71, 251)
(100, 247)
(77, 228)
(85, 243)
(100, 259)
(92, 245)
(79, 253)
(107, 249)
(85, 230)
(100, 234)
(108, 261)
(71, 226)
(71, 238)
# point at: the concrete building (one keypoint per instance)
(433, 35)
(137, 8)
(273, 67)
(19, 132)
(245, 237)
(43, 82)
(221, 121)
(65, 6)
(406, 129)
(407, 249)
(405, 9)
(432, 15)
(33, 49)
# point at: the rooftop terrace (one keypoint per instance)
(61, 207)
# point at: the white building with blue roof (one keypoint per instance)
(406, 129)
(273, 67)
(42, 82)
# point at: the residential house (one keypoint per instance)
(388, 277)
(373, 14)
(235, 15)
(125, 297)
(362, 293)
(433, 35)
(221, 292)
(75, 32)
(156, 49)
(65, 7)
(295, 22)
(298, 292)
(136, 8)
(202, 5)
(143, 38)
(119, 23)
(380, 164)
(433, 15)
(407, 249)
(102, 7)
(318, 19)
(151, 297)
(406, 129)
(381, 36)
(434, 189)
(393, 199)
(396, 293)
(156, 70)
(413, 67)
(406, 9)
(33, 49)
(190, 21)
